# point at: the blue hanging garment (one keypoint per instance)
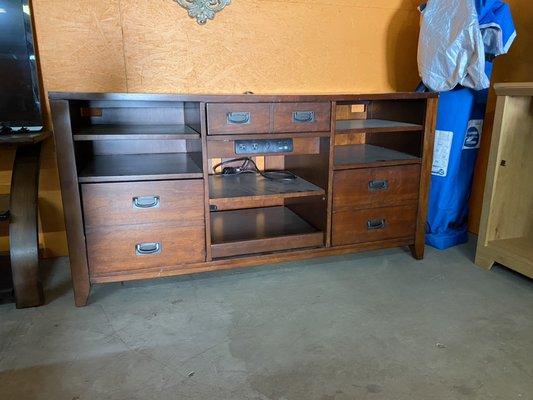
(457, 139)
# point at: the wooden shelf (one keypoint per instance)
(375, 126)
(135, 132)
(231, 192)
(260, 230)
(140, 167)
(366, 155)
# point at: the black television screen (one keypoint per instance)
(20, 104)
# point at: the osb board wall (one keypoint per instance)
(513, 67)
(264, 46)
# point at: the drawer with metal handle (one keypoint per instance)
(370, 225)
(238, 118)
(302, 117)
(376, 187)
(109, 204)
(132, 247)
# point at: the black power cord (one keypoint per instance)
(249, 166)
(4, 129)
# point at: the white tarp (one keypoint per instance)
(451, 49)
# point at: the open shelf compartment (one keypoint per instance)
(230, 192)
(140, 167)
(131, 132)
(366, 155)
(375, 125)
(135, 120)
(260, 230)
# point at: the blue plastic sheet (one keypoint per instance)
(459, 126)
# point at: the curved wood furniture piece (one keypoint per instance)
(23, 216)
(142, 199)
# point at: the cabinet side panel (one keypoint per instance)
(70, 194)
(510, 204)
(425, 176)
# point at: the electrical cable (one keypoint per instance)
(249, 166)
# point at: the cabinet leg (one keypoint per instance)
(483, 261)
(81, 294)
(23, 228)
(417, 250)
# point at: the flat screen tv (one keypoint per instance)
(20, 104)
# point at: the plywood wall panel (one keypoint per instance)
(80, 44)
(272, 47)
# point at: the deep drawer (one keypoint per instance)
(133, 247)
(376, 187)
(109, 204)
(238, 118)
(302, 117)
(370, 225)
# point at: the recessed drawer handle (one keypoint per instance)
(302, 117)
(378, 185)
(146, 249)
(239, 118)
(146, 202)
(375, 224)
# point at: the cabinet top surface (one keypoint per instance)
(514, 89)
(236, 97)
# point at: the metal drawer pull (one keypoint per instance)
(378, 185)
(146, 249)
(375, 224)
(239, 118)
(301, 117)
(146, 202)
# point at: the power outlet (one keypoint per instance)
(264, 146)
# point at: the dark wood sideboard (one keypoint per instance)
(142, 200)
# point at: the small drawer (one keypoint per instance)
(133, 247)
(302, 117)
(238, 118)
(111, 204)
(360, 226)
(376, 187)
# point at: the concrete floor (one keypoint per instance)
(369, 326)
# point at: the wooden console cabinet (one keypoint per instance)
(142, 199)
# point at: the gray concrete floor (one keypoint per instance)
(368, 326)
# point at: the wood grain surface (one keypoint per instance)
(111, 204)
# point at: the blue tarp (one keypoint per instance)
(458, 135)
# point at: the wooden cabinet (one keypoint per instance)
(506, 229)
(143, 199)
